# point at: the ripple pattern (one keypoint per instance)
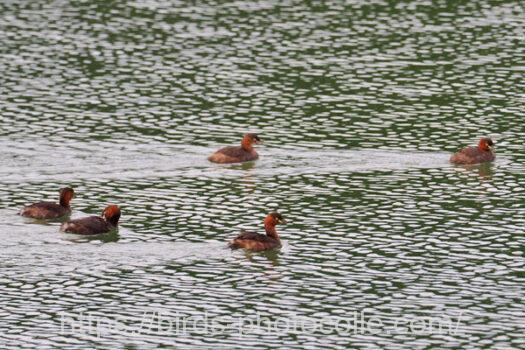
(359, 105)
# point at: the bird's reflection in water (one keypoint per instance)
(271, 256)
(247, 165)
(483, 170)
(247, 178)
(112, 236)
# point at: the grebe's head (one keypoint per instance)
(485, 144)
(66, 195)
(273, 219)
(111, 214)
(251, 139)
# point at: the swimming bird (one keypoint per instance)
(237, 154)
(94, 225)
(257, 242)
(50, 210)
(482, 153)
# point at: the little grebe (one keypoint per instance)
(49, 210)
(237, 154)
(94, 225)
(472, 155)
(257, 242)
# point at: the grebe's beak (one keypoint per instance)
(282, 221)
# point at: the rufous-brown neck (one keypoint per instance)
(246, 144)
(271, 231)
(65, 200)
(113, 220)
(112, 215)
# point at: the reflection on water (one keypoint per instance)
(112, 236)
(247, 165)
(360, 105)
(484, 170)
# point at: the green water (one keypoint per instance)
(359, 104)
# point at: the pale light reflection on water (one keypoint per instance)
(359, 106)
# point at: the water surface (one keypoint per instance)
(359, 104)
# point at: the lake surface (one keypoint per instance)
(359, 104)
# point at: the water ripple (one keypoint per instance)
(360, 105)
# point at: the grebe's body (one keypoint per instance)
(94, 225)
(237, 154)
(49, 210)
(257, 242)
(482, 153)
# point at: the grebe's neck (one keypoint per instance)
(64, 202)
(111, 214)
(246, 144)
(113, 221)
(270, 230)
